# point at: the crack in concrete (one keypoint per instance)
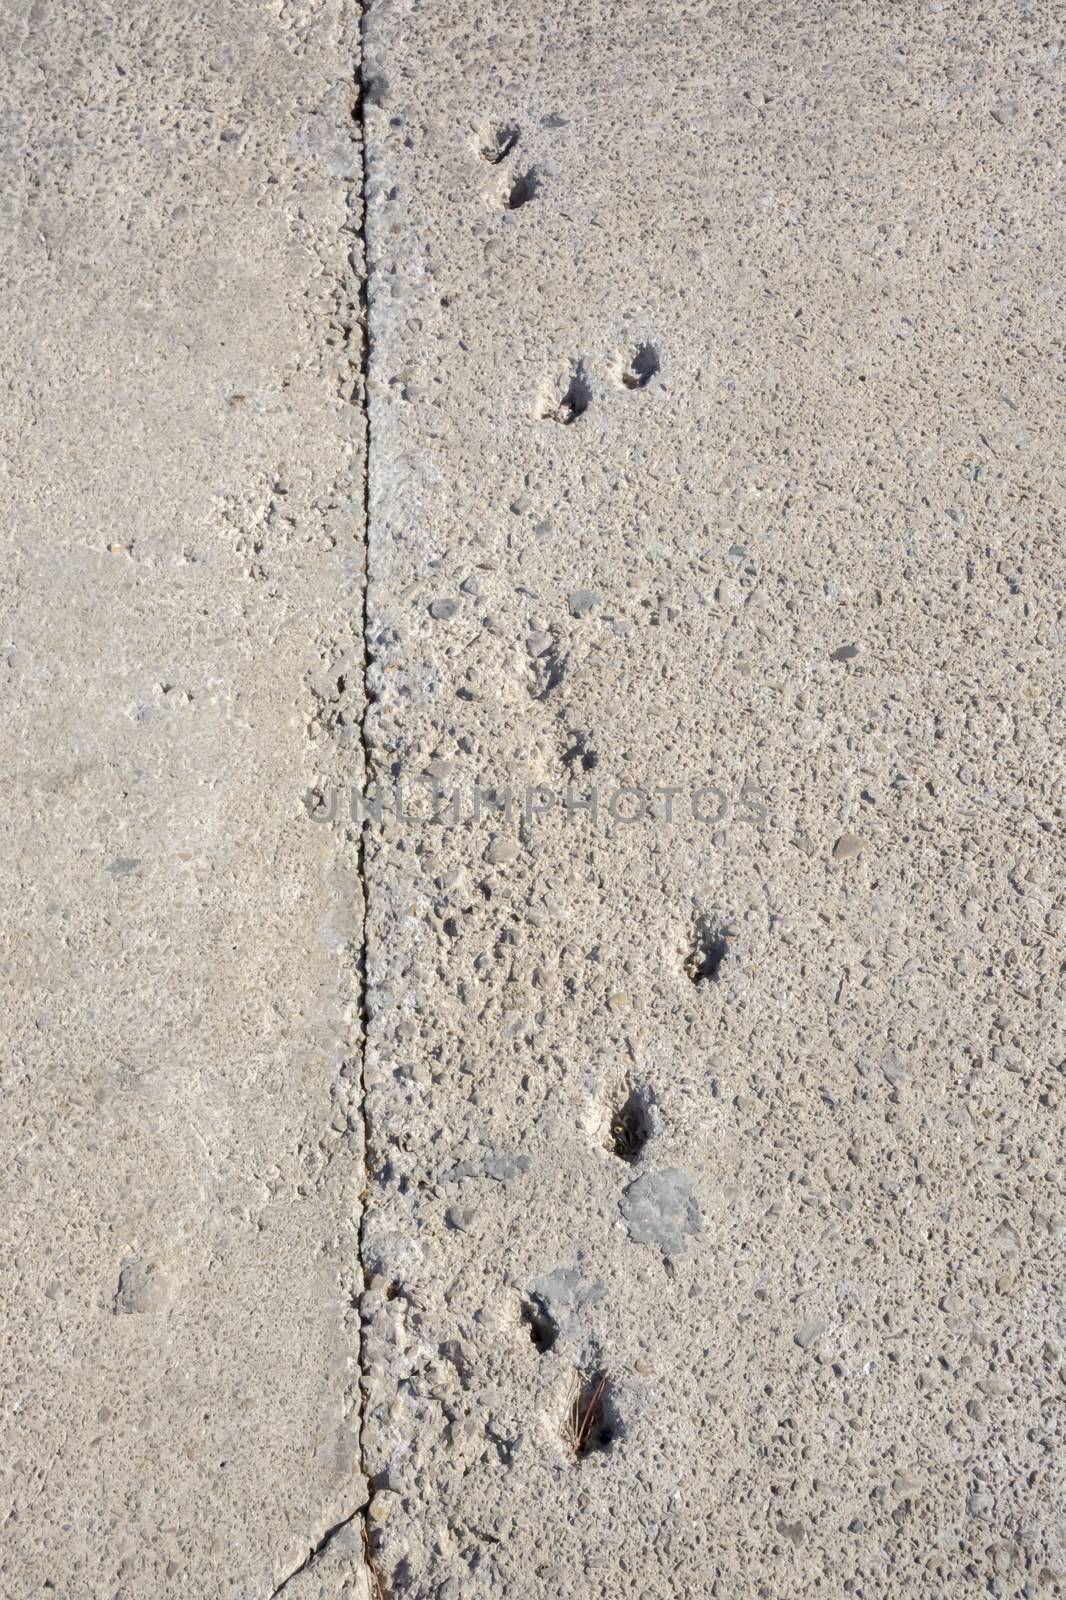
(359, 397)
(319, 1549)
(363, 320)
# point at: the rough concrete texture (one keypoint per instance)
(182, 477)
(713, 1160)
(715, 438)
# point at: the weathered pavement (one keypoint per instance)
(183, 486)
(716, 440)
(712, 1160)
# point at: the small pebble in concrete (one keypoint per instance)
(806, 1334)
(581, 602)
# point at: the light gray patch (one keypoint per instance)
(491, 1164)
(141, 1287)
(661, 1209)
(893, 1069)
(122, 865)
(581, 602)
(565, 1293)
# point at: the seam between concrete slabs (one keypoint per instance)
(352, 278)
(362, 280)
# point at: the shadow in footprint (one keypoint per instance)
(643, 367)
(709, 949)
(524, 189)
(592, 1423)
(500, 143)
(543, 1328)
(575, 400)
(631, 1125)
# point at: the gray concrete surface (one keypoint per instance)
(182, 482)
(820, 538)
(694, 1224)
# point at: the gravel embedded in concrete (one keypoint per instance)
(766, 363)
(693, 1226)
(183, 482)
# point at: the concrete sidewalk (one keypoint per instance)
(183, 485)
(693, 1224)
(716, 448)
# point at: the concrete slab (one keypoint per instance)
(182, 451)
(716, 1154)
(693, 1225)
